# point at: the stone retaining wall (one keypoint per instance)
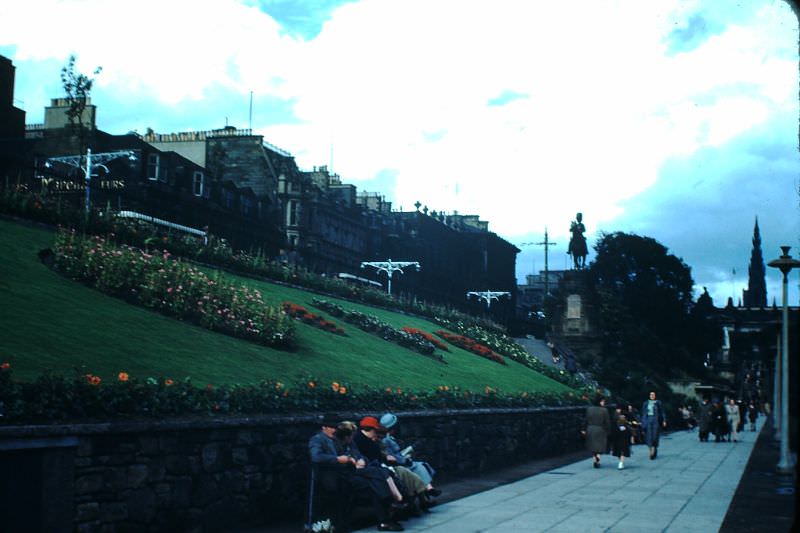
(216, 474)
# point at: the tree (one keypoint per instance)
(644, 295)
(78, 88)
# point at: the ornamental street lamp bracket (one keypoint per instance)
(488, 296)
(390, 267)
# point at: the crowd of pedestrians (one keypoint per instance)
(366, 462)
(615, 432)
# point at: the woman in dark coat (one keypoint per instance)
(704, 420)
(621, 440)
(597, 429)
(652, 421)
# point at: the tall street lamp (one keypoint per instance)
(96, 160)
(785, 263)
(390, 267)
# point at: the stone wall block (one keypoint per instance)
(156, 469)
(116, 478)
(204, 491)
(87, 511)
(89, 484)
(239, 455)
(137, 476)
(216, 457)
(142, 505)
(113, 512)
(246, 437)
(177, 464)
(182, 492)
(163, 495)
(84, 447)
(148, 445)
(232, 482)
(195, 464)
(88, 527)
(168, 443)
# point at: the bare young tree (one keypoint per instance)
(77, 87)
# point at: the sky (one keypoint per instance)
(676, 119)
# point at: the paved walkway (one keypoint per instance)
(689, 487)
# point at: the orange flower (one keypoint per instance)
(285, 393)
(123, 376)
(342, 390)
(92, 379)
(168, 382)
(311, 385)
(335, 386)
(5, 366)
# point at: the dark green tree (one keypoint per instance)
(650, 332)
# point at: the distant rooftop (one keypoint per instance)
(194, 136)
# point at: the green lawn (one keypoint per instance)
(49, 323)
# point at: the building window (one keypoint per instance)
(292, 209)
(246, 206)
(152, 167)
(197, 184)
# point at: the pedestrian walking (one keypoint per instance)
(652, 421)
(621, 440)
(597, 427)
(752, 414)
(704, 421)
(719, 420)
(733, 416)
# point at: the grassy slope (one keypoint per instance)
(50, 323)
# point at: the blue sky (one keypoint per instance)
(675, 119)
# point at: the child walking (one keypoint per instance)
(622, 438)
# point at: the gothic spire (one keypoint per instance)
(756, 293)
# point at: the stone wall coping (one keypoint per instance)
(233, 422)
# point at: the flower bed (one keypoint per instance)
(86, 396)
(472, 346)
(173, 288)
(507, 347)
(307, 317)
(428, 337)
(372, 324)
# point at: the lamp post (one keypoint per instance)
(96, 160)
(488, 296)
(390, 267)
(547, 244)
(785, 263)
